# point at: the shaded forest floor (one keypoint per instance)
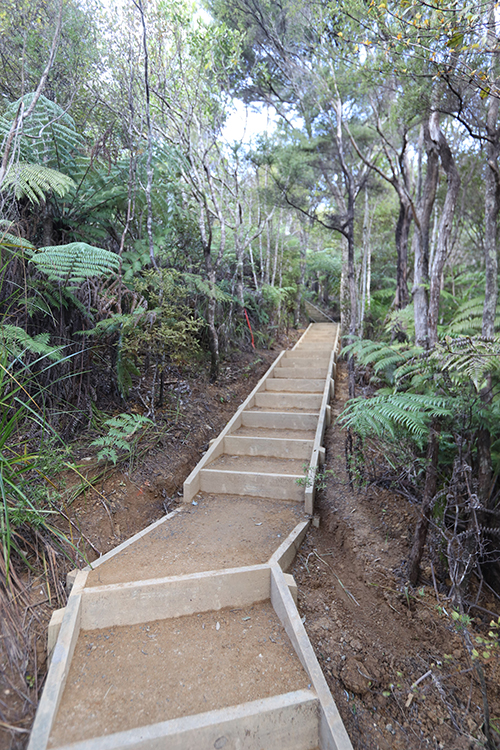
(374, 636)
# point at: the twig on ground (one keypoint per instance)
(434, 582)
(442, 694)
(417, 682)
(336, 576)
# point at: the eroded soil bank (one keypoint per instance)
(375, 636)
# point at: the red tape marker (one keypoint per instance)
(250, 327)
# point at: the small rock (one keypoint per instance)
(355, 677)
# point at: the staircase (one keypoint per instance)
(315, 314)
(187, 636)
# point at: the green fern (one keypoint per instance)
(383, 357)
(13, 242)
(49, 135)
(120, 431)
(202, 286)
(16, 341)
(401, 320)
(382, 415)
(75, 262)
(469, 357)
(468, 319)
(36, 181)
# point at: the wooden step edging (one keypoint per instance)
(192, 484)
(281, 394)
(140, 602)
(302, 719)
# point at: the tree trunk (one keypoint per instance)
(213, 336)
(491, 206)
(402, 235)
(417, 549)
(421, 239)
(351, 277)
(304, 238)
(445, 225)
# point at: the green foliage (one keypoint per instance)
(36, 181)
(386, 415)
(468, 318)
(12, 242)
(49, 136)
(16, 341)
(25, 504)
(121, 430)
(385, 359)
(167, 328)
(75, 262)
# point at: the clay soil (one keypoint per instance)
(128, 676)
(374, 636)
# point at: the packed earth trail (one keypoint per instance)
(187, 635)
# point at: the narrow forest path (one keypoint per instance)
(187, 635)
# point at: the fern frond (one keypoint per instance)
(382, 356)
(35, 181)
(15, 340)
(202, 286)
(381, 415)
(13, 242)
(468, 319)
(474, 357)
(49, 135)
(75, 262)
(403, 320)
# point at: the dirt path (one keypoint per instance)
(373, 640)
(131, 654)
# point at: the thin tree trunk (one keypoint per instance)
(427, 195)
(402, 235)
(149, 160)
(420, 535)
(491, 207)
(445, 225)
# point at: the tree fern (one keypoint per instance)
(468, 319)
(49, 135)
(382, 356)
(468, 357)
(75, 262)
(13, 242)
(381, 416)
(35, 181)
